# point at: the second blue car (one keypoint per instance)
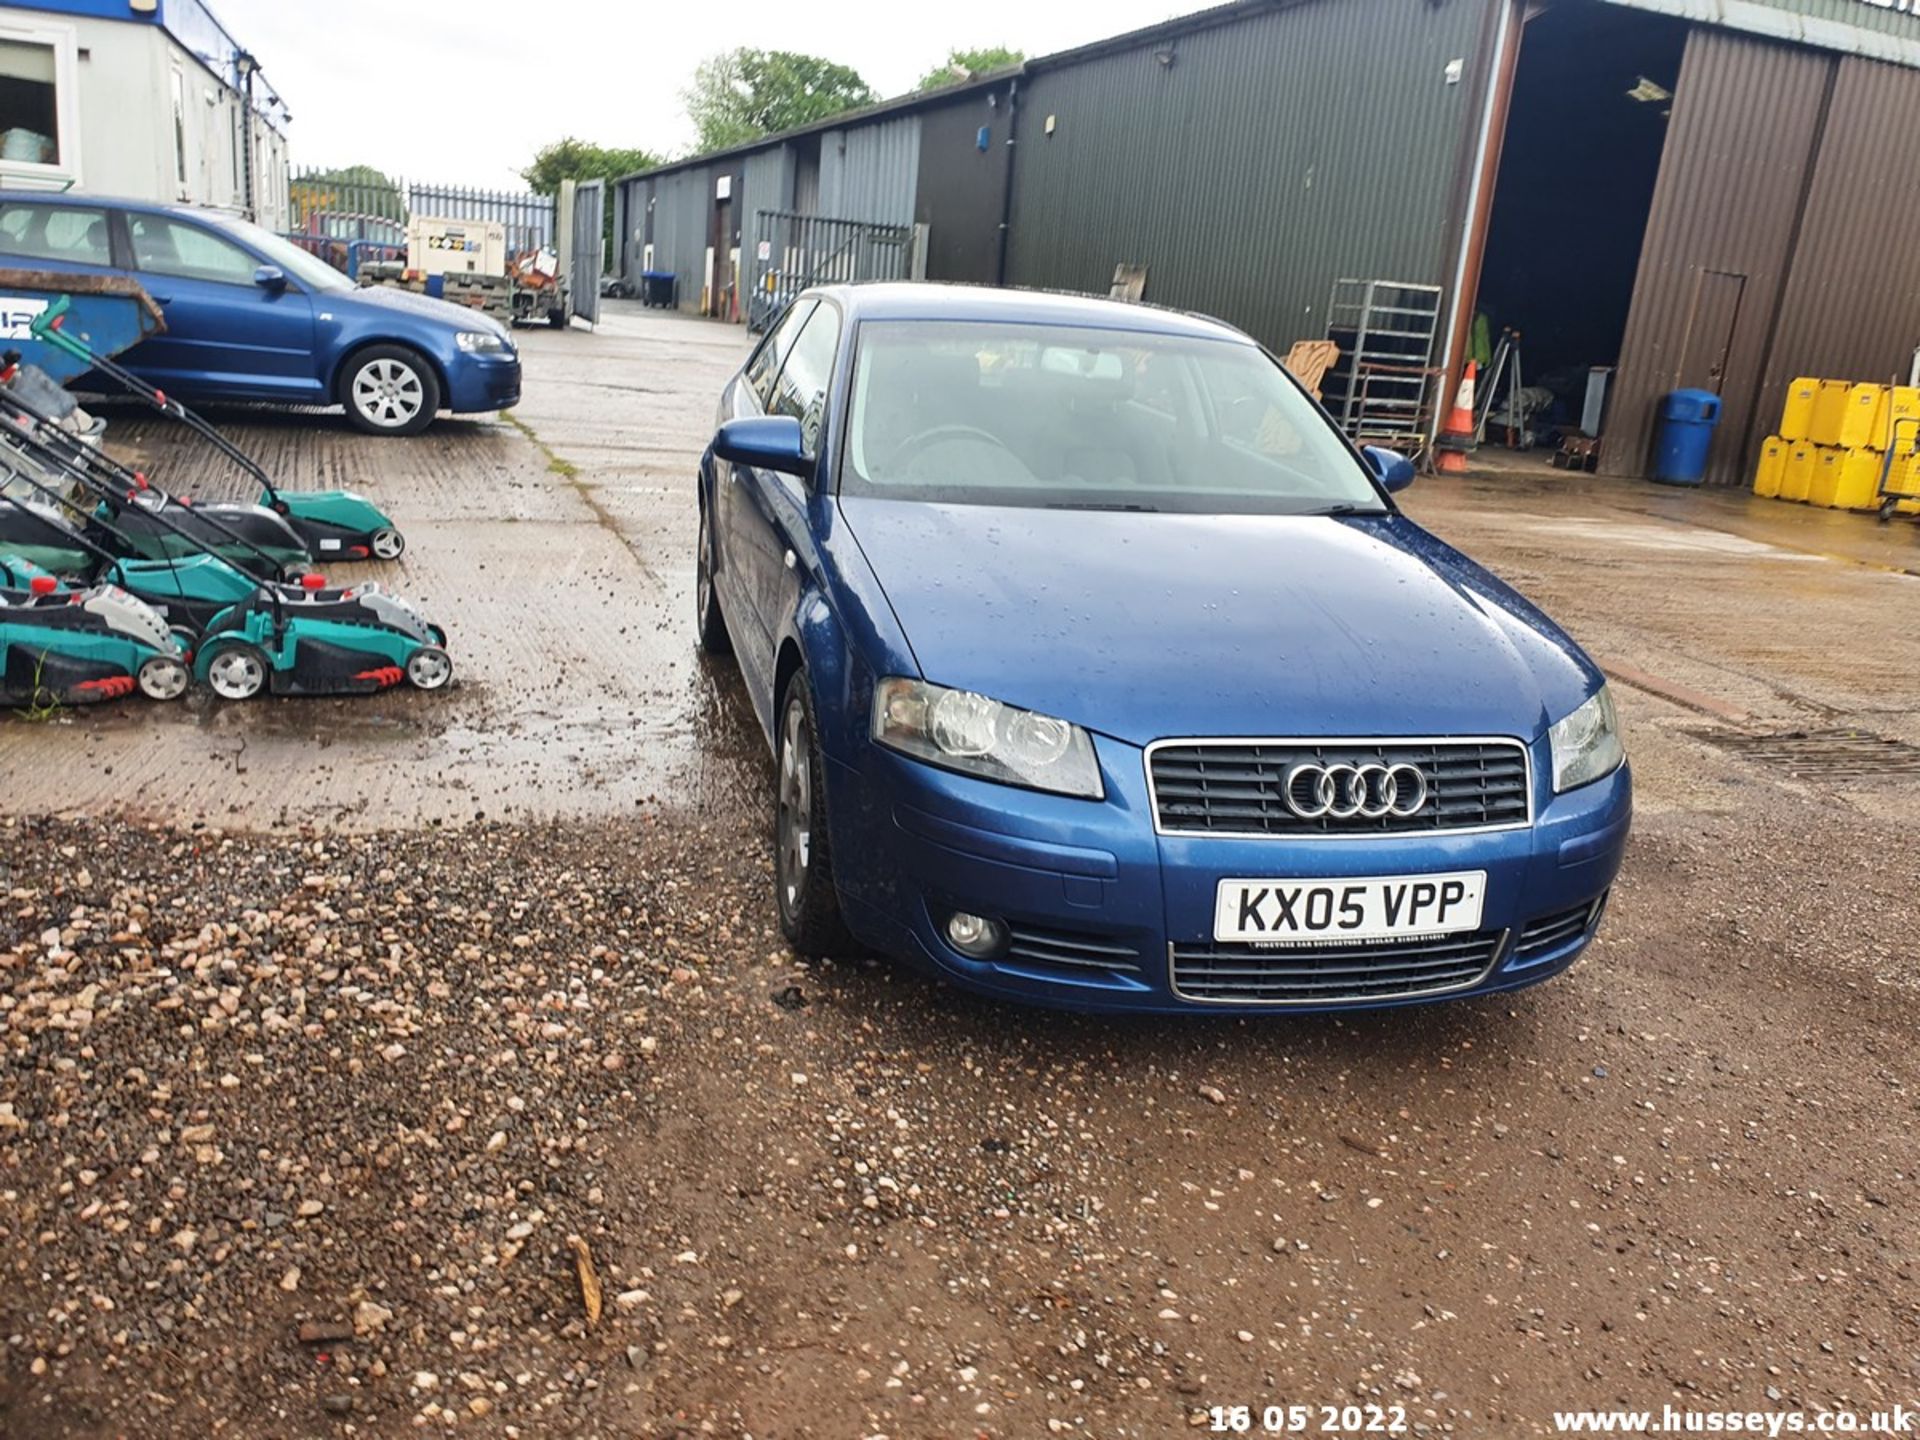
(253, 317)
(1101, 671)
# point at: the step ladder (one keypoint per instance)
(1383, 387)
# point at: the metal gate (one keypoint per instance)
(794, 251)
(589, 249)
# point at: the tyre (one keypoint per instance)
(390, 390)
(429, 668)
(557, 319)
(237, 672)
(162, 677)
(387, 544)
(802, 854)
(712, 625)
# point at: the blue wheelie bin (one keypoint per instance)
(1684, 435)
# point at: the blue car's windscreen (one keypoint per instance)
(984, 413)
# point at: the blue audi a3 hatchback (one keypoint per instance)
(251, 316)
(1101, 671)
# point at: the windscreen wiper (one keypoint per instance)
(1105, 505)
(1345, 507)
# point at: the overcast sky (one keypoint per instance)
(467, 92)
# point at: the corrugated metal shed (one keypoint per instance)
(1745, 120)
(1789, 169)
(1250, 165)
(767, 185)
(869, 172)
(1852, 304)
(1867, 28)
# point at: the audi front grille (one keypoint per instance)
(1241, 787)
(1332, 974)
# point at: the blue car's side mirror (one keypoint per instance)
(770, 442)
(270, 278)
(1395, 470)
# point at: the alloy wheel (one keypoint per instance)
(388, 544)
(795, 817)
(388, 393)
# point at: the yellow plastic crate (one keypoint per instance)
(1859, 487)
(1823, 484)
(1829, 410)
(1772, 467)
(1863, 423)
(1797, 475)
(1796, 418)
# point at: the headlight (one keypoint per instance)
(1586, 745)
(978, 736)
(480, 342)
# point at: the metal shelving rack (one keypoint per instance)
(1382, 388)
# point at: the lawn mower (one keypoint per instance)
(300, 639)
(186, 591)
(151, 522)
(84, 646)
(334, 524)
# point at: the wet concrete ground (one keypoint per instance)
(839, 1201)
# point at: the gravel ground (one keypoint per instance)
(303, 1129)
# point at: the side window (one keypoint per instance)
(71, 233)
(171, 247)
(773, 353)
(801, 389)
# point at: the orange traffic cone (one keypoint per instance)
(1456, 439)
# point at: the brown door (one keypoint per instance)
(1709, 339)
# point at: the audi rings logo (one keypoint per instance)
(1369, 791)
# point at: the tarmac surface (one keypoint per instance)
(354, 1015)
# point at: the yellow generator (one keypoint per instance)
(1773, 466)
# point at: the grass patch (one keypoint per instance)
(556, 464)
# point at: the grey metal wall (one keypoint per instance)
(1786, 166)
(1870, 30)
(1274, 155)
(768, 185)
(682, 218)
(870, 172)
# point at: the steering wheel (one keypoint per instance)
(914, 445)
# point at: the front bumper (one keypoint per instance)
(1108, 915)
(477, 383)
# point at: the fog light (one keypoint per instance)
(974, 935)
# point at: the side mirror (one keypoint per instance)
(768, 442)
(1396, 472)
(270, 278)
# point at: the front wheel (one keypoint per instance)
(388, 544)
(390, 390)
(802, 855)
(710, 623)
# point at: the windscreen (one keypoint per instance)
(993, 413)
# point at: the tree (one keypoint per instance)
(347, 189)
(743, 94)
(965, 64)
(572, 159)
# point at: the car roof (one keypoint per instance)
(903, 300)
(114, 202)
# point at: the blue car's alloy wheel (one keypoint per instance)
(803, 869)
(712, 624)
(389, 390)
